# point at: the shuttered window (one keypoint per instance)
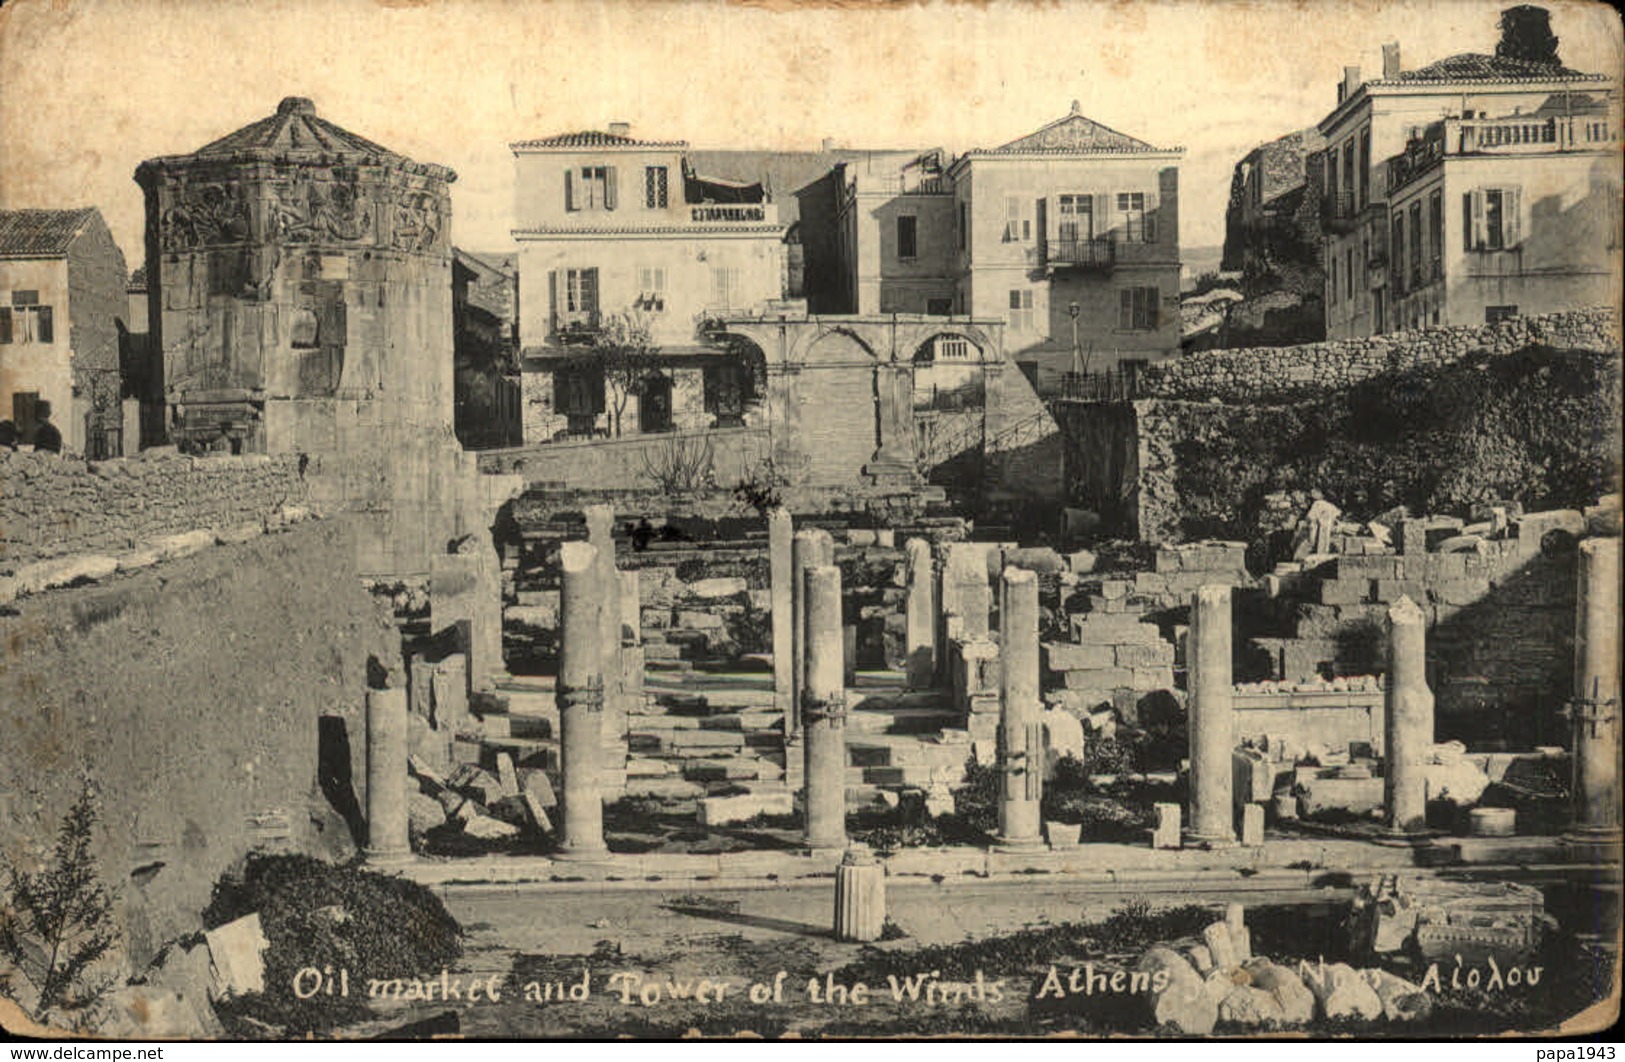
(1491, 219)
(1137, 308)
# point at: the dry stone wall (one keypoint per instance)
(1284, 374)
(52, 506)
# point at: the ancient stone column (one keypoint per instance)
(922, 616)
(601, 535)
(1594, 712)
(860, 896)
(387, 839)
(823, 710)
(580, 694)
(1407, 720)
(632, 660)
(780, 534)
(1021, 733)
(1210, 692)
(812, 547)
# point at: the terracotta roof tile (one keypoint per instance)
(1470, 66)
(40, 233)
(591, 138)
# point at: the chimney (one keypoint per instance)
(828, 144)
(1351, 80)
(620, 128)
(1390, 61)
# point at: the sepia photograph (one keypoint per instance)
(644, 519)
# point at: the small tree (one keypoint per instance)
(625, 351)
(1526, 33)
(56, 923)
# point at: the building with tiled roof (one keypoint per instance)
(62, 303)
(1373, 121)
(613, 227)
(1070, 234)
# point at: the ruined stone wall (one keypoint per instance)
(53, 506)
(192, 694)
(1283, 374)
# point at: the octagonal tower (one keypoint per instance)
(299, 285)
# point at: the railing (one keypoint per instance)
(1513, 135)
(575, 327)
(1339, 211)
(1110, 386)
(897, 185)
(742, 212)
(1097, 253)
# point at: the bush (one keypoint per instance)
(315, 914)
(55, 924)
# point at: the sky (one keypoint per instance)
(90, 88)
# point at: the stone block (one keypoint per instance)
(237, 957)
(1357, 796)
(1252, 776)
(1144, 655)
(1217, 938)
(722, 811)
(715, 588)
(1101, 678)
(1252, 825)
(507, 777)
(1166, 832)
(1081, 562)
(1063, 656)
(537, 784)
(699, 621)
(1342, 591)
(486, 828)
(1391, 590)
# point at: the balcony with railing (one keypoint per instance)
(1339, 212)
(1113, 385)
(1079, 252)
(1512, 135)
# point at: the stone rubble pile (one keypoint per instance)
(1218, 979)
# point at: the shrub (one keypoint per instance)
(56, 923)
(315, 914)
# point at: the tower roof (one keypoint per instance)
(296, 132)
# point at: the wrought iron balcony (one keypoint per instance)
(1078, 253)
(1339, 213)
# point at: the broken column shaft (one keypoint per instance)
(1021, 734)
(921, 660)
(823, 710)
(780, 543)
(580, 695)
(387, 738)
(1595, 710)
(812, 547)
(1407, 720)
(601, 535)
(1211, 730)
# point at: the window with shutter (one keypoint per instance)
(1473, 208)
(1494, 215)
(1021, 310)
(609, 187)
(5, 324)
(1017, 227)
(1131, 216)
(570, 190)
(1511, 218)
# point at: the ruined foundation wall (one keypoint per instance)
(192, 694)
(1281, 374)
(52, 506)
